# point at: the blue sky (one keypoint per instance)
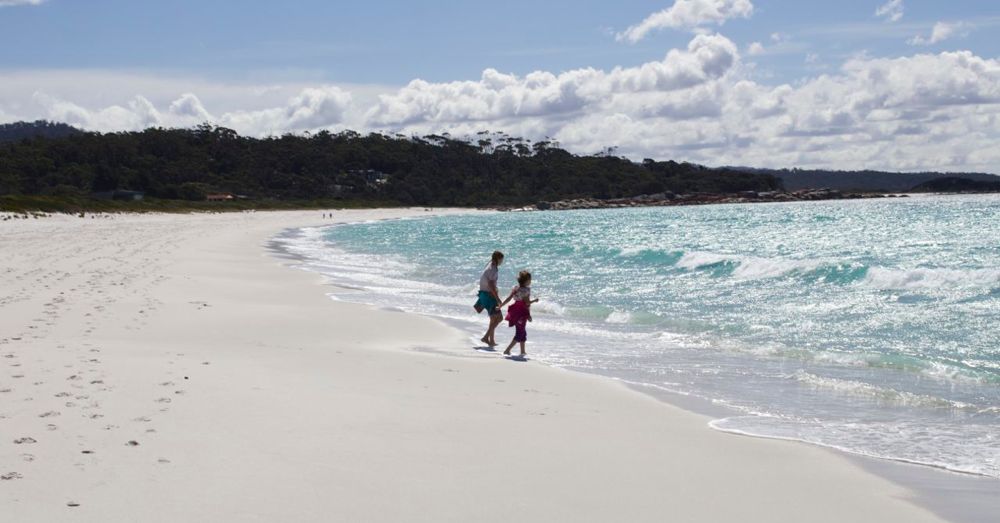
(392, 42)
(267, 67)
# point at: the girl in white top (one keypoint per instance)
(519, 314)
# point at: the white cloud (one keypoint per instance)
(188, 105)
(496, 95)
(313, 108)
(779, 44)
(892, 10)
(922, 112)
(138, 113)
(688, 14)
(699, 103)
(939, 33)
(11, 3)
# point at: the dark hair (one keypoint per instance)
(523, 277)
(497, 256)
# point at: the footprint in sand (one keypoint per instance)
(28, 457)
(72, 504)
(63, 395)
(49, 414)
(143, 419)
(25, 441)
(51, 427)
(10, 475)
(163, 400)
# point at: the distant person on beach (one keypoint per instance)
(489, 297)
(519, 314)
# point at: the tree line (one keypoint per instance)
(490, 169)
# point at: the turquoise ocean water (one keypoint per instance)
(869, 326)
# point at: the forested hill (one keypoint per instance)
(12, 132)
(494, 169)
(875, 181)
(952, 184)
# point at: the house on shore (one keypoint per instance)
(372, 177)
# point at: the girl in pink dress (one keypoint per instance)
(519, 314)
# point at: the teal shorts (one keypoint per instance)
(488, 303)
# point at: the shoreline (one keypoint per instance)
(981, 492)
(284, 404)
(928, 480)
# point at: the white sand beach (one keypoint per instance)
(171, 368)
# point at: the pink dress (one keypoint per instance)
(519, 313)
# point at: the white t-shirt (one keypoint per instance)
(489, 275)
(521, 293)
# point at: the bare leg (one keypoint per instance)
(488, 337)
(491, 332)
(522, 349)
(511, 346)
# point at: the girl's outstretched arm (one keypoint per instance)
(511, 295)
